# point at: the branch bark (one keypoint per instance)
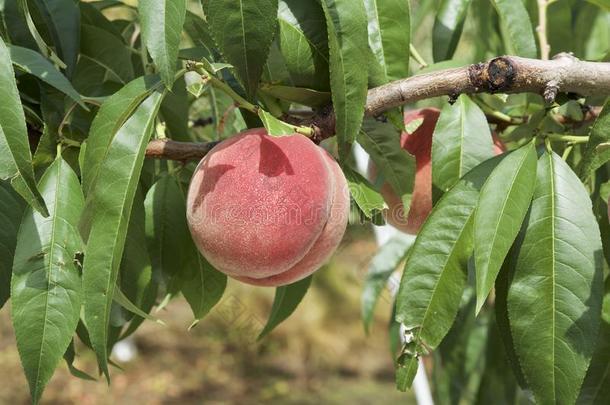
(506, 74)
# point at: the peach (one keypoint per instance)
(418, 144)
(267, 210)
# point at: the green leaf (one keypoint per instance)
(62, 18)
(594, 157)
(199, 32)
(106, 217)
(15, 155)
(167, 232)
(175, 111)
(390, 35)
(286, 300)
(35, 64)
(69, 357)
(161, 22)
(435, 273)
(461, 141)
(108, 51)
(363, 193)
(11, 210)
(596, 386)
(244, 30)
(274, 126)
(516, 21)
(35, 35)
(461, 355)
(203, 288)
(383, 264)
(121, 299)
(109, 119)
(303, 44)
(505, 199)
(605, 4)
(382, 142)
(300, 95)
(46, 289)
(448, 26)
(347, 39)
(498, 385)
(554, 300)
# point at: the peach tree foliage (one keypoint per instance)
(504, 288)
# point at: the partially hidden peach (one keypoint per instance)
(267, 210)
(419, 144)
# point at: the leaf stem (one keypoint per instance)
(574, 139)
(545, 48)
(240, 102)
(416, 55)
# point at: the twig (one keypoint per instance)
(506, 74)
(545, 48)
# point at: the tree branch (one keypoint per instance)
(506, 74)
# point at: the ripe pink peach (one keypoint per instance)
(267, 210)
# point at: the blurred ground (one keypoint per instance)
(320, 355)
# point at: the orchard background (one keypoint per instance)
(501, 291)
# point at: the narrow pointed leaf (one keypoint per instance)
(46, 289)
(106, 217)
(505, 199)
(303, 44)
(62, 18)
(15, 155)
(435, 273)
(11, 210)
(389, 36)
(107, 122)
(162, 22)
(363, 193)
(448, 27)
(461, 141)
(286, 300)
(385, 262)
(121, 299)
(596, 386)
(518, 25)
(554, 300)
(204, 287)
(599, 134)
(108, 51)
(167, 232)
(243, 31)
(35, 64)
(348, 44)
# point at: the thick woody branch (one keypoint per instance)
(174, 150)
(506, 74)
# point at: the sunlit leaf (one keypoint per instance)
(554, 298)
(516, 21)
(106, 217)
(505, 199)
(348, 44)
(448, 26)
(161, 22)
(244, 30)
(461, 141)
(389, 35)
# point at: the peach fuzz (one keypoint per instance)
(267, 210)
